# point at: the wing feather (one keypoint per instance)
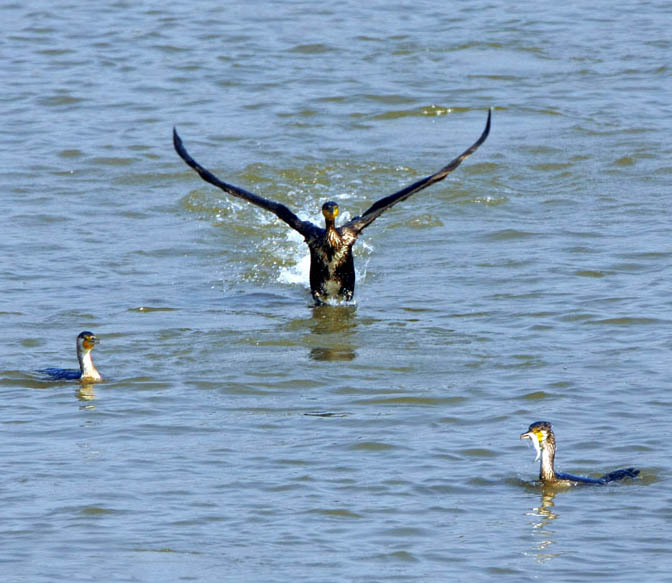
(379, 207)
(278, 209)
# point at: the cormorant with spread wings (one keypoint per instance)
(332, 270)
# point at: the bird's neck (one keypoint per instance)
(333, 236)
(547, 469)
(89, 371)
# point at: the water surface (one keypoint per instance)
(242, 434)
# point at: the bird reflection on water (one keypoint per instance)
(332, 332)
(86, 394)
(543, 516)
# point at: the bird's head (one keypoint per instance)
(330, 211)
(87, 340)
(539, 433)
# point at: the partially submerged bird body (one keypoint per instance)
(542, 437)
(87, 371)
(332, 268)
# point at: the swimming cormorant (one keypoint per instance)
(543, 439)
(87, 371)
(332, 270)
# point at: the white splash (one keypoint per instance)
(298, 252)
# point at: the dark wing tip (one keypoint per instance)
(182, 151)
(177, 140)
(486, 130)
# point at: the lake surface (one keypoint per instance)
(243, 435)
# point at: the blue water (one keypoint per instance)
(243, 435)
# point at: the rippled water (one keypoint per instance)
(242, 435)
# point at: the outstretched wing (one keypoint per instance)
(379, 207)
(280, 210)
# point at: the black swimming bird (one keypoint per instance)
(87, 371)
(542, 437)
(332, 269)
